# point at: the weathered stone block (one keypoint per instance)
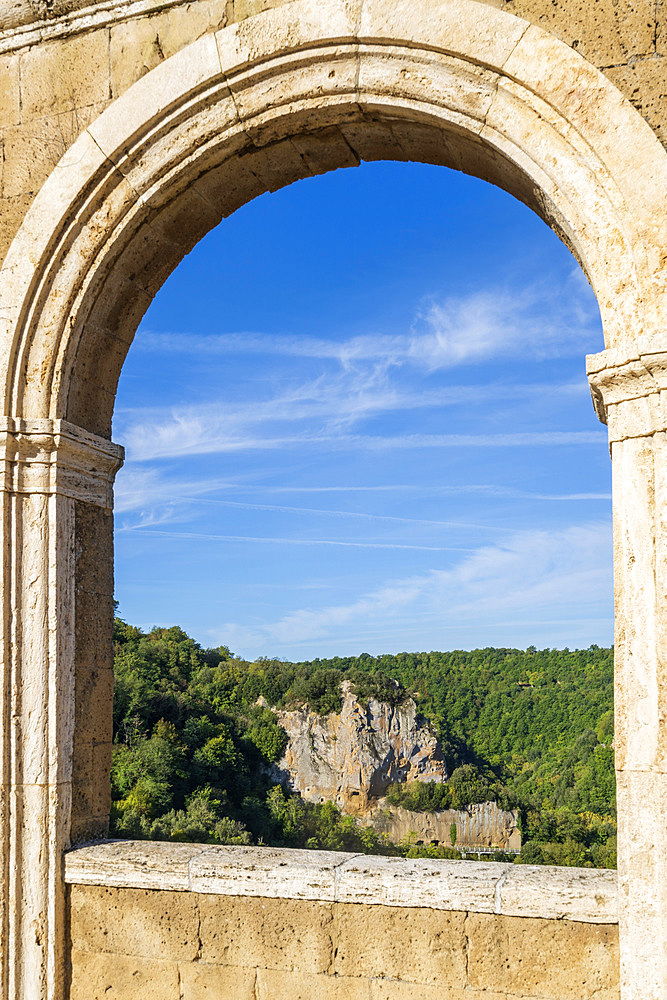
(240, 9)
(10, 107)
(278, 985)
(393, 989)
(214, 982)
(605, 32)
(12, 213)
(411, 944)
(138, 922)
(141, 43)
(274, 934)
(644, 83)
(64, 75)
(119, 977)
(541, 958)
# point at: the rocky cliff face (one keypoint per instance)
(351, 757)
(483, 825)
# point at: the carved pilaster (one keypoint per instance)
(630, 395)
(46, 468)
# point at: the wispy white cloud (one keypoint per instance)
(146, 528)
(459, 489)
(140, 487)
(534, 575)
(198, 431)
(545, 320)
(362, 378)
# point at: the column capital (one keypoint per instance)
(629, 388)
(56, 457)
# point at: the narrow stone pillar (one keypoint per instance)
(630, 395)
(50, 471)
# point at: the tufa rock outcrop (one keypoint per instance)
(351, 757)
(482, 825)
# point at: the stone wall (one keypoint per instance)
(186, 922)
(62, 63)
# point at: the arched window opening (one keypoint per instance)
(357, 422)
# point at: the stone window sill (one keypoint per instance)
(581, 894)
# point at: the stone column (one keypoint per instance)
(630, 395)
(53, 474)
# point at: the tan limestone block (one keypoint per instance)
(605, 32)
(373, 140)
(321, 93)
(90, 405)
(325, 150)
(415, 945)
(661, 29)
(393, 989)
(32, 150)
(139, 44)
(230, 185)
(442, 81)
(265, 933)
(557, 959)
(10, 103)
(99, 361)
(287, 873)
(640, 672)
(300, 24)
(117, 977)
(240, 9)
(62, 75)
(186, 219)
(298, 985)
(138, 922)
(91, 788)
(194, 67)
(94, 568)
(444, 27)
(12, 213)
(140, 864)
(644, 83)
(585, 98)
(589, 895)
(404, 882)
(215, 982)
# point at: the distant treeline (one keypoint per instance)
(531, 730)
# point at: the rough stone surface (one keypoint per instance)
(512, 955)
(249, 948)
(482, 825)
(352, 756)
(578, 894)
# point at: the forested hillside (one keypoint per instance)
(531, 730)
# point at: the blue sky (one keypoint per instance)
(357, 419)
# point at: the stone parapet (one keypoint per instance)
(581, 894)
(189, 922)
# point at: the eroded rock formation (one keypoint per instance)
(351, 757)
(483, 825)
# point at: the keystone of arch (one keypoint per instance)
(163, 164)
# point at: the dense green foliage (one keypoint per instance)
(531, 730)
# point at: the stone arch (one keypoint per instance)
(299, 90)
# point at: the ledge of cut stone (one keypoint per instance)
(583, 894)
